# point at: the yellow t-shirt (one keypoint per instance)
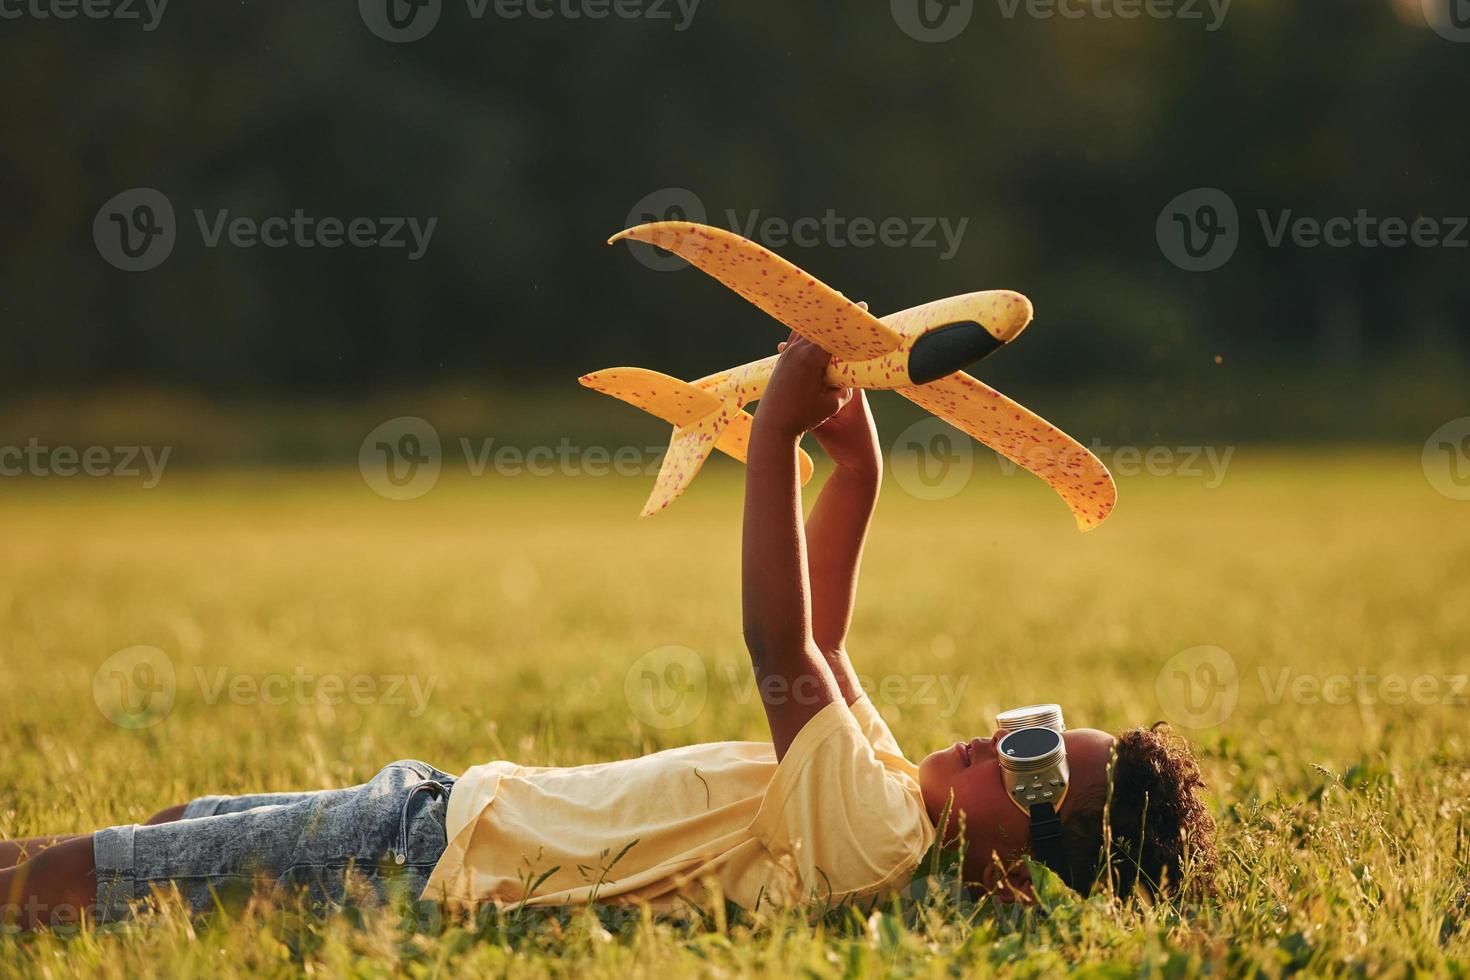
(841, 815)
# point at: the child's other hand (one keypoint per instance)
(850, 437)
(798, 397)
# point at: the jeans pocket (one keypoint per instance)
(421, 838)
(428, 831)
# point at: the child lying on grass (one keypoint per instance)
(829, 809)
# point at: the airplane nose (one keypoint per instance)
(1009, 313)
(950, 348)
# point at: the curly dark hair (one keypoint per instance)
(1158, 835)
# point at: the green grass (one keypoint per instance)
(526, 602)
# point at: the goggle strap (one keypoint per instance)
(1047, 842)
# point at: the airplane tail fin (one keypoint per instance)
(702, 422)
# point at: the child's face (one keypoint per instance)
(995, 828)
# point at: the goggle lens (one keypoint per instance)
(1027, 745)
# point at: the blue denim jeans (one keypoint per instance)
(386, 834)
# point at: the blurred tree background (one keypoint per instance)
(1059, 140)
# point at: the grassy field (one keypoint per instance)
(506, 618)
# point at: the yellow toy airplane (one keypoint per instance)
(918, 352)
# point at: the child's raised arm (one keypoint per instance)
(791, 671)
(838, 529)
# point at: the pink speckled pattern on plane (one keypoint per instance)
(868, 352)
(1024, 438)
(688, 449)
(1004, 312)
(662, 395)
(805, 304)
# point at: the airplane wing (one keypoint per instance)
(810, 307)
(1024, 438)
(676, 402)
